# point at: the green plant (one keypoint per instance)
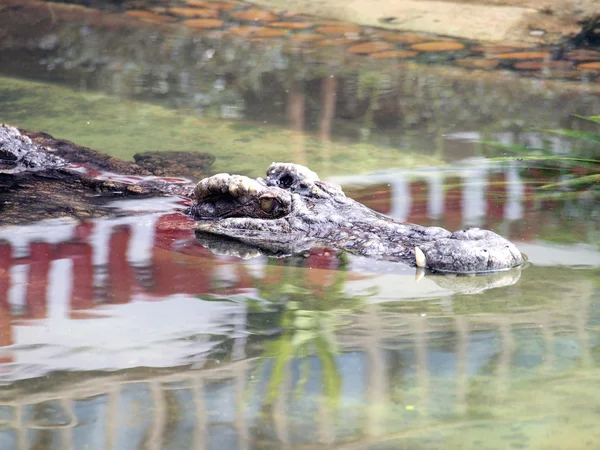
(560, 175)
(310, 317)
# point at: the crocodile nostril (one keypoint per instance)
(286, 181)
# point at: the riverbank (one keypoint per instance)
(532, 21)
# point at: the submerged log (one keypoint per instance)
(42, 177)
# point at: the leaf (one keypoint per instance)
(594, 119)
(547, 160)
(304, 375)
(516, 148)
(217, 299)
(571, 195)
(577, 134)
(332, 381)
(300, 338)
(555, 158)
(291, 289)
(278, 373)
(574, 182)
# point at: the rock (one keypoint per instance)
(175, 163)
(42, 177)
(18, 153)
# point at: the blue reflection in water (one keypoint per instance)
(133, 422)
(45, 422)
(354, 369)
(483, 348)
(8, 439)
(220, 407)
(303, 402)
(8, 436)
(91, 414)
(182, 419)
(530, 350)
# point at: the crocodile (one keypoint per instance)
(291, 210)
(288, 212)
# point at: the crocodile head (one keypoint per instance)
(292, 210)
(284, 213)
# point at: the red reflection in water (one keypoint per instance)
(179, 263)
(81, 254)
(419, 193)
(175, 263)
(378, 197)
(496, 196)
(39, 265)
(179, 273)
(453, 219)
(5, 316)
(120, 274)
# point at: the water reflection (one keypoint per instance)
(124, 332)
(328, 91)
(398, 377)
(60, 278)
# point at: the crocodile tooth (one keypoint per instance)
(419, 274)
(420, 259)
(201, 226)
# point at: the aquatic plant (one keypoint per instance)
(559, 174)
(311, 314)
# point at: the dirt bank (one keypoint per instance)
(539, 21)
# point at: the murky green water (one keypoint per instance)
(123, 128)
(125, 333)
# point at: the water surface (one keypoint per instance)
(125, 332)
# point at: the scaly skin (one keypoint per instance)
(287, 212)
(19, 154)
(291, 210)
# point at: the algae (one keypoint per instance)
(123, 128)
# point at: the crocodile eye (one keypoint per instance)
(268, 204)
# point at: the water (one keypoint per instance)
(125, 332)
